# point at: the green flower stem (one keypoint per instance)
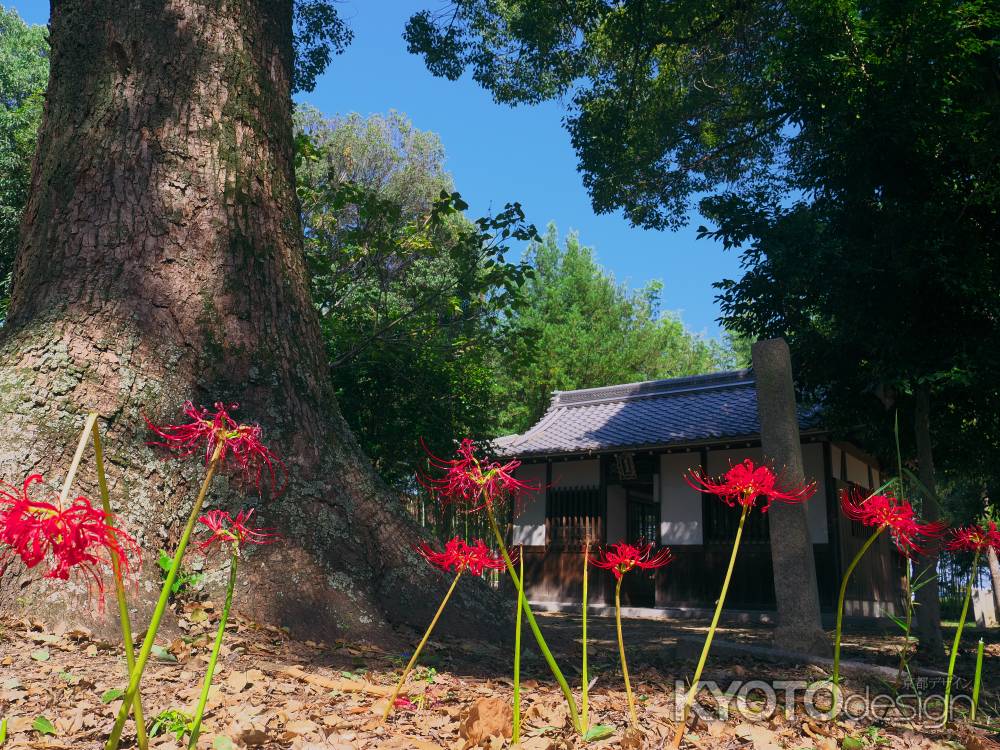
(161, 604)
(693, 690)
(840, 616)
(621, 652)
(977, 681)
(420, 646)
(904, 651)
(126, 624)
(958, 638)
(516, 731)
(543, 647)
(585, 690)
(214, 659)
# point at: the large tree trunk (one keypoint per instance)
(796, 592)
(928, 595)
(161, 261)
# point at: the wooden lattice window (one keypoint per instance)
(574, 516)
(721, 523)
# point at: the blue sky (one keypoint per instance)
(499, 154)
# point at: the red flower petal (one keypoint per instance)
(77, 539)
(228, 530)
(241, 443)
(894, 514)
(975, 538)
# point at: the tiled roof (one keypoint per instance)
(652, 413)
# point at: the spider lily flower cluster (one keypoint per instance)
(232, 533)
(457, 557)
(892, 514)
(74, 538)
(979, 540)
(621, 558)
(883, 513)
(471, 482)
(239, 446)
(227, 530)
(474, 484)
(742, 486)
(745, 484)
(228, 444)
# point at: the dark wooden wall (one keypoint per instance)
(694, 579)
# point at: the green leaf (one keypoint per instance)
(165, 561)
(221, 742)
(598, 732)
(852, 743)
(162, 654)
(111, 695)
(900, 622)
(43, 726)
(3, 731)
(41, 654)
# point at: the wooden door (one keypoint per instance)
(642, 525)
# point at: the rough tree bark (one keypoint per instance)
(796, 592)
(160, 261)
(928, 597)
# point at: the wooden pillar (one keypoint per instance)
(799, 625)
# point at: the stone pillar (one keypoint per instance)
(799, 626)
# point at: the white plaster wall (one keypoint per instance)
(576, 473)
(680, 504)
(857, 470)
(719, 462)
(616, 527)
(529, 519)
(812, 465)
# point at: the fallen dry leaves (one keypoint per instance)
(60, 688)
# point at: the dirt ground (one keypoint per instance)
(58, 689)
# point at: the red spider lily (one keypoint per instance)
(886, 511)
(458, 555)
(975, 538)
(241, 443)
(473, 482)
(745, 482)
(621, 557)
(228, 530)
(78, 538)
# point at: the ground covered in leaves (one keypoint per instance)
(60, 688)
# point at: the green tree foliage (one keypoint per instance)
(318, 33)
(24, 73)
(410, 292)
(848, 148)
(580, 328)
